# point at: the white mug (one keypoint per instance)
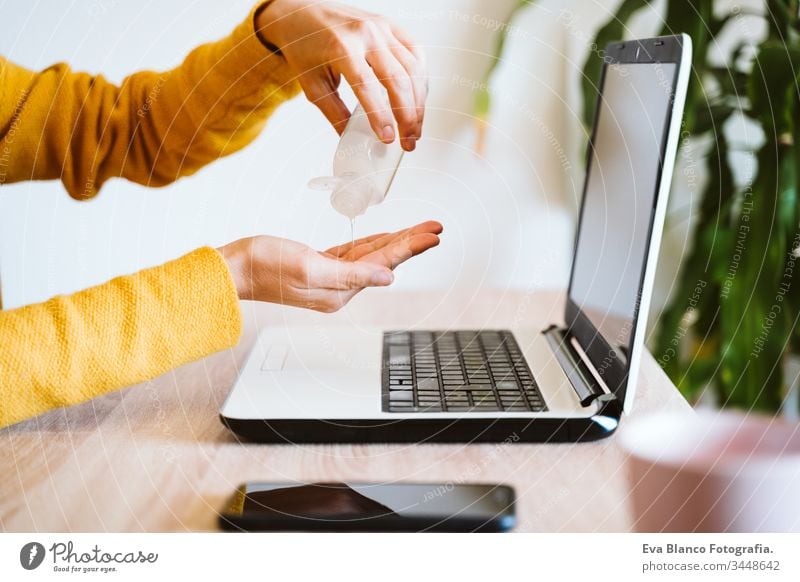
(713, 472)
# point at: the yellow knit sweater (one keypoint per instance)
(152, 129)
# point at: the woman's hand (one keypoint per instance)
(322, 41)
(267, 268)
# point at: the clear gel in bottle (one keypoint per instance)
(363, 168)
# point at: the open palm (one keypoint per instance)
(276, 270)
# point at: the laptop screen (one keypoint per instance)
(618, 207)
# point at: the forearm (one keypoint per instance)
(152, 129)
(74, 348)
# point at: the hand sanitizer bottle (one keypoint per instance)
(363, 168)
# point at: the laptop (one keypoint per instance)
(569, 382)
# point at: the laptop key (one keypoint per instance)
(455, 396)
(398, 396)
(483, 396)
(399, 356)
(506, 385)
(428, 384)
(486, 402)
(509, 402)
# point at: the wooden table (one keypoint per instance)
(155, 457)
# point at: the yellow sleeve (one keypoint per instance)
(72, 348)
(152, 129)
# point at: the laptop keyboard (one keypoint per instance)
(457, 371)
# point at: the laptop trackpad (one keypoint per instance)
(308, 372)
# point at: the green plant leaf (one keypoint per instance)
(757, 314)
(754, 324)
(692, 17)
(712, 118)
(772, 85)
(732, 83)
(700, 280)
(779, 18)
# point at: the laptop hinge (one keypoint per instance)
(580, 376)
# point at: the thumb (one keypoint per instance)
(346, 275)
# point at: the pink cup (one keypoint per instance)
(713, 472)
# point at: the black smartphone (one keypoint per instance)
(407, 507)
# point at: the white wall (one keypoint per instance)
(507, 215)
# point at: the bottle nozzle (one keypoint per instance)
(351, 199)
(351, 195)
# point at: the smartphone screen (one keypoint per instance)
(371, 506)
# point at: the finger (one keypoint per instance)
(419, 54)
(327, 273)
(409, 44)
(413, 60)
(431, 227)
(398, 252)
(418, 83)
(369, 93)
(339, 250)
(392, 75)
(327, 100)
